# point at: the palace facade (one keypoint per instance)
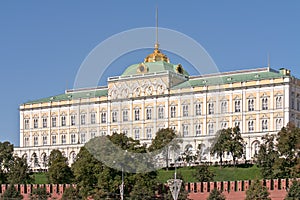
(157, 94)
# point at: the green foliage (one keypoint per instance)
(257, 192)
(283, 159)
(203, 174)
(288, 145)
(6, 156)
(166, 140)
(11, 193)
(71, 194)
(219, 145)
(216, 195)
(144, 186)
(228, 140)
(39, 193)
(59, 171)
(19, 171)
(235, 145)
(294, 191)
(86, 170)
(267, 156)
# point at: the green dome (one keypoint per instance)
(152, 67)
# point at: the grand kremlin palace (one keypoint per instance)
(157, 94)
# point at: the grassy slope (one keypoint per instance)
(221, 174)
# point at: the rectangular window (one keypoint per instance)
(264, 103)
(73, 120)
(26, 124)
(210, 128)
(237, 124)
(93, 118)
(44, 122)
(82, 138)
(211, 108)
(63, 120)
(82, 119)
(223, 125)
(73, 138)
(137, 114)
(93, 135)
(173, 111)
(264, 124)
(26, 141)
(35, 141)
(160, 113)
(136, 134)
(251, 126)
(237, 106)
(251, 105)
(103, 117)
(224, 107)
(125, 115)
(185, 110)
(114, 116)
(149, 133)
(53, 121)
(35, 123)
(63, 139)
(54, 139)
(278, 102)
(293, 103)
(44, 140)
(103, 133)
(198, 129)
(278, 124)
(149, 113)
(185, 130)
(198, 109)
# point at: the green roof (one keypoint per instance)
(152, 67)
(72, 95)
(230, 78)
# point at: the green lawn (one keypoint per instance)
(40, 178)
(221, 174)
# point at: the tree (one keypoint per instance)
(39, 193)
(6, 156)
(71, 193)
(216, 195)
(203, 174)
(288, 145)
(59, 171)
(166, 141)
(235, 144)
(219, 145)
(294, 191)
(11, 193)
(267, 156)
(144, 187)
(257, 191)
(86, 170)
(19, 171)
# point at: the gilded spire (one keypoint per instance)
(156, 55)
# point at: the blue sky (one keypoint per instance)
(42, 44)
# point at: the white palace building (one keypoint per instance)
(157, 94)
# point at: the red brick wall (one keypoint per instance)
(233, 190)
